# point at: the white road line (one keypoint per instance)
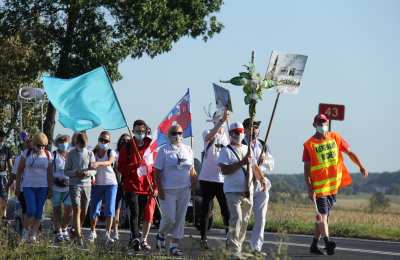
(358, 250)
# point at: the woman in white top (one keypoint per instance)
(36, 165)
(174, 174)
(61, 194)
(105, 188)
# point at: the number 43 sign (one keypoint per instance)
(332, 111)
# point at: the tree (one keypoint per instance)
(72, 37)
(18, 68)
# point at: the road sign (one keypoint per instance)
(332, 111)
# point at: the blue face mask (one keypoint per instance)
(63, 147)
(103, 146)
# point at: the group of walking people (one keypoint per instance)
(81, 181)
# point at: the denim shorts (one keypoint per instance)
(61, 198)
(325, 204)
(103, 194)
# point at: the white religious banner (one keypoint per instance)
(286, 69)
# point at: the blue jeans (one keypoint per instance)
(106, 194)
(35, 199)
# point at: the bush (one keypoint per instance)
(378, 201)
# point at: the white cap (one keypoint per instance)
(236, 125)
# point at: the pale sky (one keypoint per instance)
(353, 50)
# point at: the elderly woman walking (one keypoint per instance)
(173, 170)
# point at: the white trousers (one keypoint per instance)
(174, 207)
(260, 208)
(239, 215)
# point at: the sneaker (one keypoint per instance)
(174, 251)
(160, 241)
(330, 247)
(59, 238)
(144, 246)
(108, 238)
(315, 250)
(92, 236)
(134, 243)
(115, 235)
(65, 235)
(204, 244)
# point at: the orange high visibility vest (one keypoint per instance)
(328, 172)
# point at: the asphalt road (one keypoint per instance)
(293, 246)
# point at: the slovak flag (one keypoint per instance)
(179, 114)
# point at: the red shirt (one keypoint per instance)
(343, 147)
(128, 163)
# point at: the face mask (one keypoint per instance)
(139, 137)
(103, 146)
(322, 129)
(237, 139)
(63, 147)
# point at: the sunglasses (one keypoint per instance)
(40, 146)
(104, 141)
(176, 133)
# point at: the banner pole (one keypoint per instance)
(269, 128)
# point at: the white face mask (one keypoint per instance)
(139, 137)
(237, 139)
(322, 129)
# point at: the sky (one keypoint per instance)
(353, 50)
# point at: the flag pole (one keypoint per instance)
(130, 134)
(273, 111)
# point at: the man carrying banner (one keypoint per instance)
(211, 178)
(261, 194)
(136, 186)
(233, 160)
(325, 173)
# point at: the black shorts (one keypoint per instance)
(325, 204)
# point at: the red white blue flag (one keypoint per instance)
(179, 114)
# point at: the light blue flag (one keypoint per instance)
(86, 101)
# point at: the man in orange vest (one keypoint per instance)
(325, 173)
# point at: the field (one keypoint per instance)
(350, 218)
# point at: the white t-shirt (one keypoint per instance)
(174, 164)
(235, 182)
(58, 172)
(210, 170)
(35, 173)
(106, 175)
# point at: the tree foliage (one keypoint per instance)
(72, 37)
(18, 68)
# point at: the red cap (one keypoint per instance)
(320, 118)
